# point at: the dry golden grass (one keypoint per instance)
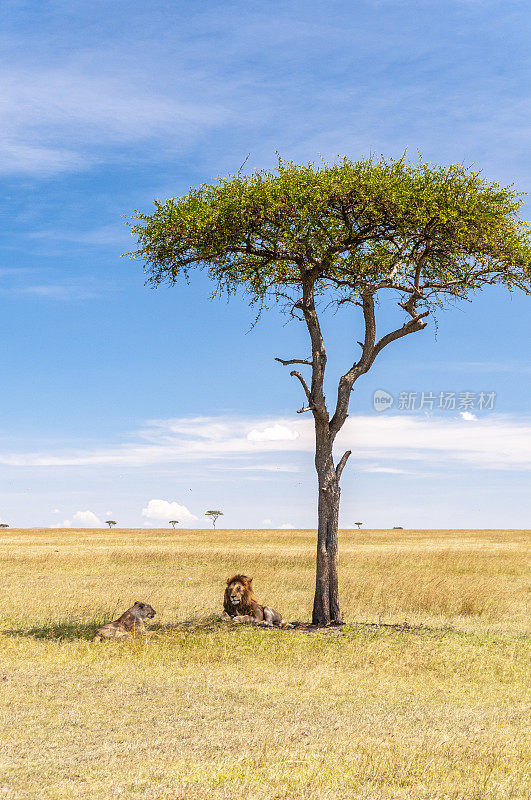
(375, 709)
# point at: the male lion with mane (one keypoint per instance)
(130, 623)
(240, 605)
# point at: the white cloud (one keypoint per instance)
(56, 511)
(86, 519)
(287, 526)
(57, 119)
(60, 291)
(142, 84)
(468, 416)
(166, 441)
(391, 470)
(166, 510)
(274, 433)
(492, 442)
(508, 365)
(35, 159)
(49, 285)
(262, 468)
(104, 235)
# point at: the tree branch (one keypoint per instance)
(341, 464)
(414, 324)
(316, 396)
(409, 305)
(307, 392)
(397, 259)
(288, 361)
(370, 350)
(358, 368)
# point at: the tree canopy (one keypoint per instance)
(426, 231)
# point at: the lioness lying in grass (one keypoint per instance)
(130, 623)
(240, 605)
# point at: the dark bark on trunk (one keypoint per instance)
(326, 601)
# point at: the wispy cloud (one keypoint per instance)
(47, 284)
(60, 118)
(389, 470)
(262, 468)
(477, 367)
(102, 236)
(288, 80)
(36, 159)
(494, 442)
(69, 290)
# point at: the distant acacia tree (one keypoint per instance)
(110, 522)
(359, 524)
(214, 516)
(341, 235)
(4, 525)
(174, 522)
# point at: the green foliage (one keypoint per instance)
(110, 522)
(351, 227)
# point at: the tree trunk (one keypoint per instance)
(326, 601)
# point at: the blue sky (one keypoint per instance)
(114, 395)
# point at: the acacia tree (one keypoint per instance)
(214, 515)
(110, 522)
(341, 233)
(174, 522)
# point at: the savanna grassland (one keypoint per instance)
(422, 695)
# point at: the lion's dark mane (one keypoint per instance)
(248, 604)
